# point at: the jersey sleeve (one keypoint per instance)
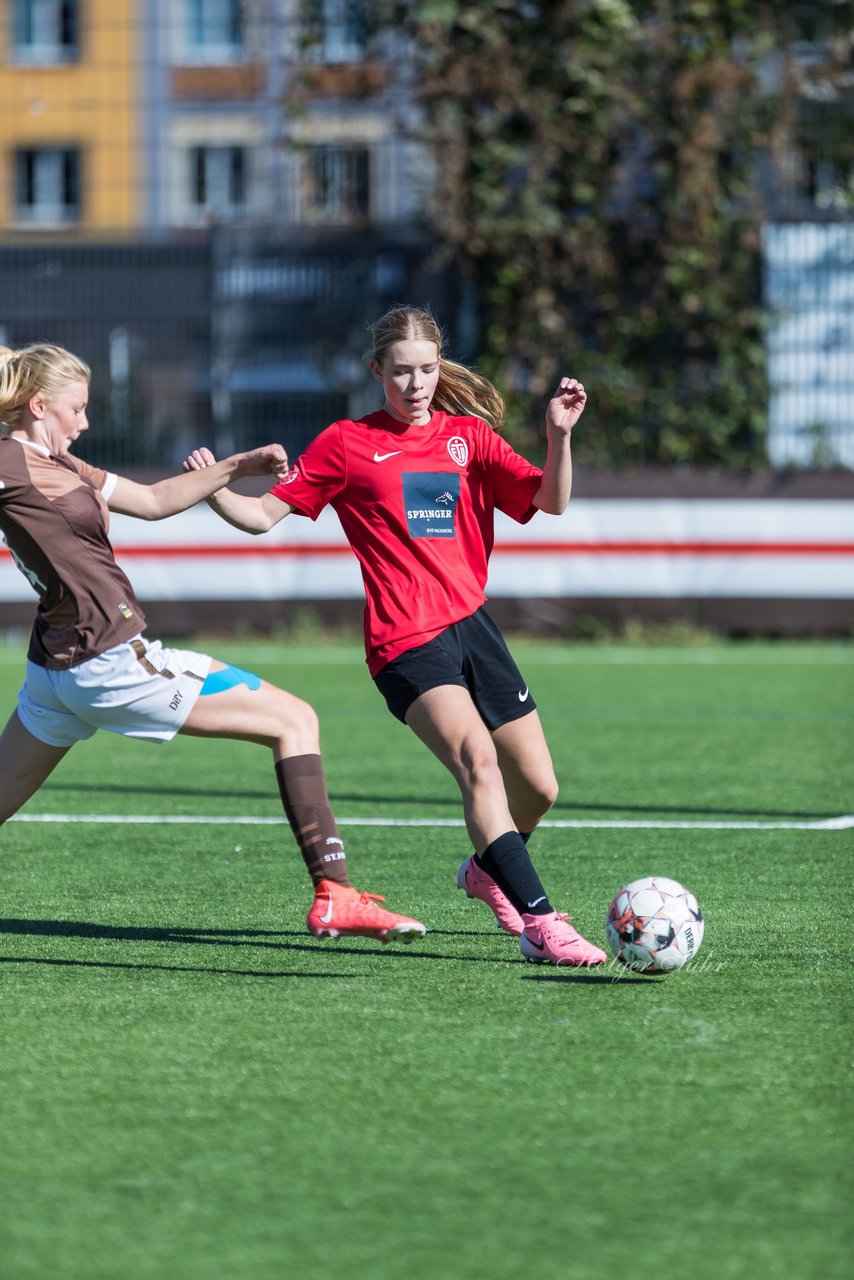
(103, 481)
(318, 475)
(513, 480)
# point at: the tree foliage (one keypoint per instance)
(596, 182)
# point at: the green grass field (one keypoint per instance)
(193, 1087)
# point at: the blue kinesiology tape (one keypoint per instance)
(227, 678)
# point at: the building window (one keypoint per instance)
(335, 30)
(341, 30)
(218, 180)
(214, 30)
(336, 185)
(47, 186)
(829, 185)
(45, 30)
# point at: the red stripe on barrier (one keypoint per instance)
(529, 548)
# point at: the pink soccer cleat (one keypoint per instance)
(341, 911)
(478, 884)
(551, 940)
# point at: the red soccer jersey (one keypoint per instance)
(417, 506)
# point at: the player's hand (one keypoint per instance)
(566, 406)
(270, 459)
(198, 460)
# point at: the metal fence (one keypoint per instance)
(139, 315)
(230, 340)
(241, 336)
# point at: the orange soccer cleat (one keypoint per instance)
(341, 911)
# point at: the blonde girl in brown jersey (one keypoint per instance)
(89, 663)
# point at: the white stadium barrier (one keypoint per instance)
(639, 548)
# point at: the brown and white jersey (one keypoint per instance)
(55, 521)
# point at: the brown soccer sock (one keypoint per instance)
(302, 786)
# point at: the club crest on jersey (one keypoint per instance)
(459, 450)
(291, 476)
(431, 499)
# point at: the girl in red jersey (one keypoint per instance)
(415, 486)
(89, 665)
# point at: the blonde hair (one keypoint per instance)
(460, 391)
(29, 370)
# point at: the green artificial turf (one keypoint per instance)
(194, 1087)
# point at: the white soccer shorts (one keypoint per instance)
(138, 689)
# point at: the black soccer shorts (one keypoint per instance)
(472, 654)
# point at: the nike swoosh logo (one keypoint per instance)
(541, 946)
(333, 840)
(536, 900)
(327, 916)
(523, 693)
(381, 457)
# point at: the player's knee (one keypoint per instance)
(300, 727)
(309, 721)
(533, 799)
(547, 792)
(479, 770)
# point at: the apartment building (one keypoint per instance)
(146, 116)
(204, 197)
(69, 117)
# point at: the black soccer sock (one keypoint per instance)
(302, 786)
(507, 861)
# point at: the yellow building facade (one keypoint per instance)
(69, 126)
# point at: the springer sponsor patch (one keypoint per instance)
(431, 498)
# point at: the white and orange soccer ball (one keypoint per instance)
(654, 925)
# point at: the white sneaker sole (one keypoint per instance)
(397, 933)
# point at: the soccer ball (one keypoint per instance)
(654, 925)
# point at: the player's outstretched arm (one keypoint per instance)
(565, 408)
(177, 493)
(251, 515)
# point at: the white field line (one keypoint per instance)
(843, 822)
